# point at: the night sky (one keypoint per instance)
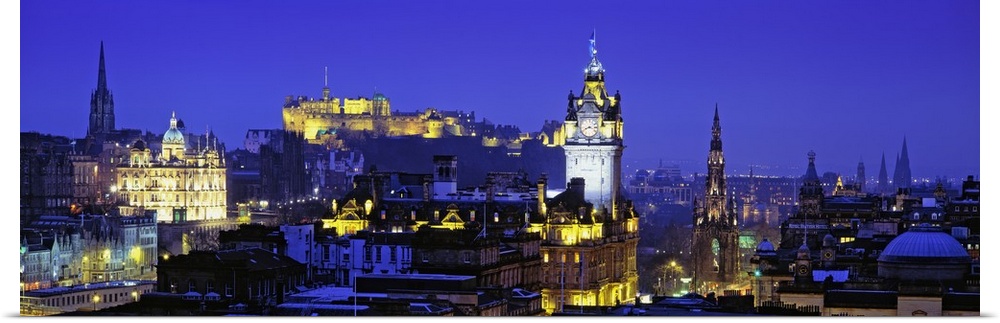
(847, 79)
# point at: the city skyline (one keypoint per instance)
(846, 83)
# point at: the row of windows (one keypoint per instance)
(87, 299)
(393, 255)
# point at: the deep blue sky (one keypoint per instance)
(847, 79)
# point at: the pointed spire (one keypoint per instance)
(102, 79)
(904, 167)
(207, 132)
(905, 155)
(102, 105)
(716, 130)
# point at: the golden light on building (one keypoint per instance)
(181, 183)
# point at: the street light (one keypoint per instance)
(97, 298)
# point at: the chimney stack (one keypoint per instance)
(542, 183)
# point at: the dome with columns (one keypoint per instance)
(173, 135)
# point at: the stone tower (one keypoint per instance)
(102, 104)
(715, 238)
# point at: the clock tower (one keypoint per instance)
(593, 131)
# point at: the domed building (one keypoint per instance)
(179, 184)
(173, 142)
(924, 253)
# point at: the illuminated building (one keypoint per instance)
(586, 235)
(715, 238)
(319, 120)
(87, 250)
(89, 297)
(589, 231)
(179, 184)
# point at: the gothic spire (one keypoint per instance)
(102, 105)
(905, 154)
(716, 131)
(904, 167)
(102, 79)
(715, 181)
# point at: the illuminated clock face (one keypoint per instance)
(588, 127)
(802, 270)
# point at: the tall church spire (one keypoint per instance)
(904, 167)
(883, 178)
(716, 132)
(102, 105)
(102, 78)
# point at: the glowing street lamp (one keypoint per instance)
(97, 299)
